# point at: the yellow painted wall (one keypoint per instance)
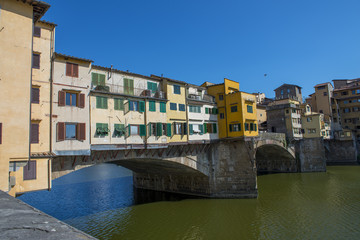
(175, 116)
(230, 86)
(248, 99)
(15, 71)
(232, 100)
(216, 91)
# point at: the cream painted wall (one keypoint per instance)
(15, 75)
(71, 114)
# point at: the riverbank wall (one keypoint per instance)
(341, 152)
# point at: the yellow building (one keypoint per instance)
(177, 126)
(237, 110)
(16, 24)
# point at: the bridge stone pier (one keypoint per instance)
(222, 169)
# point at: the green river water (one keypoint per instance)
(289, 206)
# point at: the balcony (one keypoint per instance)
(205, 98)
(123, 90)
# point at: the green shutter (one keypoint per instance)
(207, 110)
(94, 79)
(230, 127)
(118, 104)
(152, 106)
(201, 129)
(149, 129)
(191, 130)
(162, 107)
(98, 102)
(131, 86)
(158, 129)
(105, 102)
(129, 127)
(205, 128)
(142, 130)
(101, 79)
(168, 129)
(214, 128)
(255, 127)
(141, 106)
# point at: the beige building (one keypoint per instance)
(16, 48)
(313, 124)
(70, 106)
(128, 110)
(320, 100)
(261, 117)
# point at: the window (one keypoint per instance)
(137, 130)
(29, 171)
(69, 131)
(152, 106)
(35, 95)
(321, 111)
(119, 130)
(221, 97)
(37, 31)
(36, 61)
(173, 106)
(162, 107)
(344, 93)
(72, 70)
(252, 127)
(133, 105)
(102, 130)
(128, 86)
(357, 91)
(287, 111)
(233, 108)
(249, 108)
(222, 115)
(70, 99)
(156, 129)
(325, 93)
(293, 110)
(196, 129)
(282, 92)
(246, 126)
(34, 136)
(288, 90)
(355, 109)
(180, 128)
(101, 102)
(98, 79)
(0, 133)
(346, 102)
(195, 109)
(177, 89)
(152, 86)
(182, 107)
(235, 127)
(118, 104)
(346, 110)
(321, 87)
(309, 119)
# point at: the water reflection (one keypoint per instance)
(290, 206)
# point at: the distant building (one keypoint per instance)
(320, 100)
(288, 91)
(313, 124)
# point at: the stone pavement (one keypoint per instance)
(18, 220)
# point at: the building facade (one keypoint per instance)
(288, 91)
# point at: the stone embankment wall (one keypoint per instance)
(341, 152)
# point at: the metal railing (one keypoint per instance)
(120, 89)
(205, 97)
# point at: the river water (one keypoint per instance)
(100, 201)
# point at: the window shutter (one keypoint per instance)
(105, 102)
(75, 70)
(81, 100)
(152, 106)
(214, 128)
(205, 128)
(201, 129)
(207, 110)
(131, 86)
(68, 69)
(36, 60)
(168, 129)
(29, 171)
(98, 102)
(101, 79)
(149, 129)
(158, 129)
(255, 127)
(61, 98)
(131, 105)
(129, 127)
(82, 131)
(230, 127)
(0, 133)
(162, 107)
(35, 95)
(141, 106)
(191, 130)
(60, 131)
(184, 128)
(94, 79)
(34, 138)
(142, 130)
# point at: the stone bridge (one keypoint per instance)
(223, 169)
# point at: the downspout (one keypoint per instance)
(145, 123)
(187, 116)
(226, 116)
(52, 38)
(31, 71)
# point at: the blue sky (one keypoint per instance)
(301, 42)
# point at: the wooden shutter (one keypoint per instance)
(30, 170)
(75, 70)
(68, 69)
(61, 100)
(191, 130)
(207, 110)
(35, 95)
(158, 129)
(94, 79)
(214, 128)
(184, 128)
(81, 100)
(37, 31)
(162, 107)
(142, 130)
(36, 60)
(168, 129)
(34, 133)
(205, 128)
(141, 106)
(101, 80)
(80, 131)
(0, 133)
(60, 131)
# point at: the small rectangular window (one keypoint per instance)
(34, 133)
(29, 171)
(102, 129)
(128, 86)
(71, 99)
(182, 107)
(152, 86)
(249, 109)
(118, 104)
(221, 97)
(36, 61)
(70, 131)
(133, 105)
(101, 102)
(177, 89)
(233, 108)
(134, 129)
(173, 106)
(35, 95)
(162, 107)
(222, 115)
(72, 69)
(152, 106)
(37, 31)
(98, 79)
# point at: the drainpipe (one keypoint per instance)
(186, 110)
(226, 117)
(31, 71)
(145, 123)
(52, 38)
